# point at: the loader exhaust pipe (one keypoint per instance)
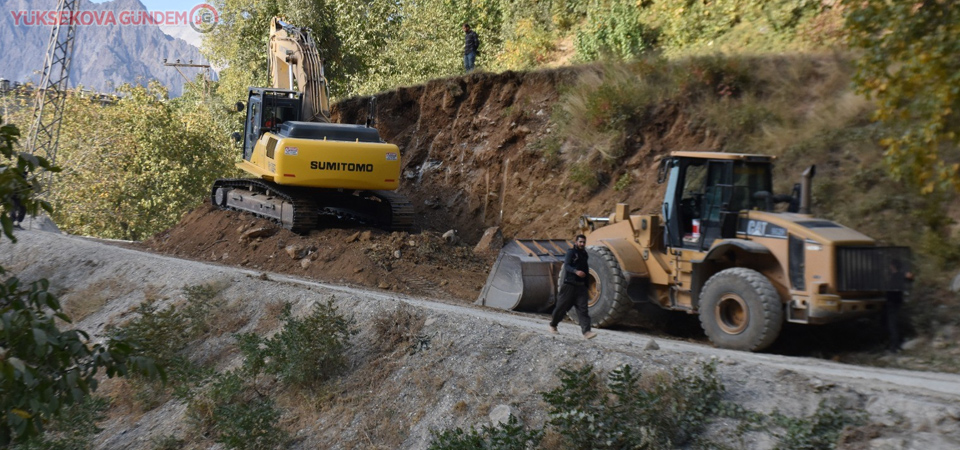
(806, 189)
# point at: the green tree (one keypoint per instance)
(153, 160)
(347, 34)
(910, 66)
(20, 178)
(612, 29)
(43, 369)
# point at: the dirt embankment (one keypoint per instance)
(471, 160)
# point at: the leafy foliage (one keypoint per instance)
(163, 333)
(306, 351)
(506, 436)
(909, 65)
(45, 368)
(612, 29)
(236, 414)
(73, 429)
(20, 177)
(817, 432)
(154, 161)
(626, 414)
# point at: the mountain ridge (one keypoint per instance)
(105, 56)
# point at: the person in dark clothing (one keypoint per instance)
(471, 43)
(573, 291)
(893, 305)
(19, 211)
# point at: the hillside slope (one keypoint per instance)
(469, 361)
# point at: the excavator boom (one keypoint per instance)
(295, 63)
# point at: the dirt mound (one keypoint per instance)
(420, 263)
(471, 161)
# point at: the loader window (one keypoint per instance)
(682, 203)
(748, 179)
(691, 199)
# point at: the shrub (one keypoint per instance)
(612, 29)
(43, 368)
(819, 431)
(236, 414)
(667, 412)
(583, 174)
(306, 351)
(163, 334)
(623, 182)
(72, 429)
(401, 327)
(507, 436)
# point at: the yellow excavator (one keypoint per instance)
(720, 248)
(303, 165)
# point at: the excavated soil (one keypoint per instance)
(470, 161)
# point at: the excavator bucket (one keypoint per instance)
(524, 277)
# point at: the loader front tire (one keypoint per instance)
(608, 302)
(741, 310)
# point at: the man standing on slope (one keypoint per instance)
(573, 291)
(471, 43)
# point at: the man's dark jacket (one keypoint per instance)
(574, 261)
(471, 42)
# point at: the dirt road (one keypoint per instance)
(478, 356)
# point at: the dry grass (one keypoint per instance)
(401, 327)
(270, 319)
(80, 304)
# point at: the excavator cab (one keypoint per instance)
(267, 109)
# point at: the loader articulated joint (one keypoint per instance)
(589, 222)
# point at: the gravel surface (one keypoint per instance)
(473, 359)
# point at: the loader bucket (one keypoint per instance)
(524, 277)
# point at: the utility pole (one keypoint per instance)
(52, 91)
(205, 68)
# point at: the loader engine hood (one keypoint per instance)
(826, 232)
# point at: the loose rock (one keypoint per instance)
(501, 414)
(451, 237)
(295, 251)
(259, 232)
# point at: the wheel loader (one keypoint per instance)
(302, 165)
(724, 247)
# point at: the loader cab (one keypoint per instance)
(267, 109)
(706, 193)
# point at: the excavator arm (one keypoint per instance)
(294, 63)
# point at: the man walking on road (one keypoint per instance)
(573, 291)
(470, 45)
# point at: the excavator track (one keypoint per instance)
(299, 209)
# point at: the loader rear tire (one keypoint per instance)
(607, 287)
(741, 310)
